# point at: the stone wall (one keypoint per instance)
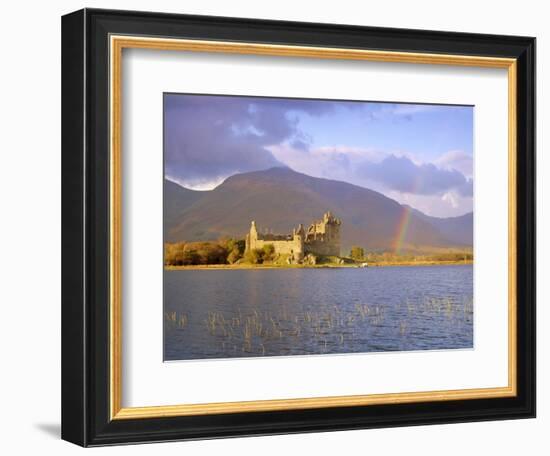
(322, 238)
(281, 247)
(325, 248)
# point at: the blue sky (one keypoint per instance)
(423, 130)
(418, 154)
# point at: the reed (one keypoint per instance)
(264, 332)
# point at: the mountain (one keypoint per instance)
(177, 200)
(459, 229)
(280, 198)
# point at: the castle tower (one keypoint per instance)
(321, 238)
(332, 230)
(299, 236)
(251, 237)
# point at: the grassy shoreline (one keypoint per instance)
(316, 266)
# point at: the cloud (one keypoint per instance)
(334, 162)
(376, 170)
(451, 198)
(433, 189)
(208, 138)
(405, 176)
(447, 205)
(399, 110)
(458, 160)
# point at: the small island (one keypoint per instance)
(317, 247)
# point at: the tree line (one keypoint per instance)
(224, 251)
(230, 251)
(358, 253)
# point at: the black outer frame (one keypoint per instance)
(85, 227)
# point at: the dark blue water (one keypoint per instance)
(281, 312)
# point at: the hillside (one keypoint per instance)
(279, 199)
(458, 229)
(177, 200)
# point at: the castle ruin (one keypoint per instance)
(322, 238)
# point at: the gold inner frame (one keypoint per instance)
(117, 44)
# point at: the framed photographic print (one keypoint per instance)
(279, 227)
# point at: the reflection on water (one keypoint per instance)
(279, 312)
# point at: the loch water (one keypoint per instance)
(235, 313)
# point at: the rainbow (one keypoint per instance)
(402, 227)
(404, 220)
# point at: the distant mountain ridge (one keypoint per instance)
(177, 200)
(280, 198)
(458, 229)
